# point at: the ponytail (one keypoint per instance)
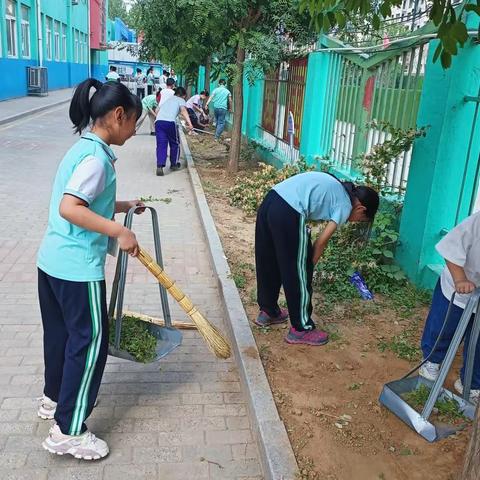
(367, 196)
(107, 96)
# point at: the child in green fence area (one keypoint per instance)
(284, 254)
(461, 250)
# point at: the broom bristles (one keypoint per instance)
(212, 336)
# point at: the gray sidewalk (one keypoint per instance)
(19, 107)
(182, 418)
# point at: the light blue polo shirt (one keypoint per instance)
(67, 251)
(220, 97)
(317, 196)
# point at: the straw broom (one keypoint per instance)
(215, 341)
(159, 321)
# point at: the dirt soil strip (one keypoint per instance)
(328, 397)
(278, 459)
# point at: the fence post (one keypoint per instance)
(443, 169)
(318, 119)
(254, 112)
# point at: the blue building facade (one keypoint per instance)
(49, 33)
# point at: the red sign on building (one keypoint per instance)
(98, 24)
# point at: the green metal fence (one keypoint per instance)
(387, 91)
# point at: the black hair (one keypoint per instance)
(107, 97)
(222, 81)
(166, 72)
(150, 69)
(113, 68)
(180, 92)
(170, 81)
(367, 196)
(205, 92)
(139, 70)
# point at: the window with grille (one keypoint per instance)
(56, 40)
(11, 26)
(25, 30)
(48, 38)
(64, 43)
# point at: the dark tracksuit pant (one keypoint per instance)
(75, 338)
(283, 256)
(433, 325)
(167, 136)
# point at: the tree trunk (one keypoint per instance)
(189, 90)
(471, 467)
(235, 144)
(208, 66)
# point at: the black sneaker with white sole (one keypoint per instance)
(159, 171)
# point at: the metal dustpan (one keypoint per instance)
(392, 393)
(168, 337)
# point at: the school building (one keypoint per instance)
(67, 39)
(123, 50)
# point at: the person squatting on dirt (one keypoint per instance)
(71, 265)
(284, 254)
(461, 250)
(195, 109)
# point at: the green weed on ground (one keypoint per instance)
(447, 408)
(135, 339)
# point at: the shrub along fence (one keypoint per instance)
(340, 99)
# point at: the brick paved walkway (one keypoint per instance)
(177, 419)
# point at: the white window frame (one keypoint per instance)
(56, 40)
(75, 37)
(64, 42)
(81, 60)
(11, 27)
(25, 32)
(48, 38)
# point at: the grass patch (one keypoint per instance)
(135, 339)
(151, 199)
(447, 409)
(404, 345)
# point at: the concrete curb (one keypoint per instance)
(32, 111)
(277, 457)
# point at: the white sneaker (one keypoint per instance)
(429, 370)
(85, 447)
(47, 407)
(474, 394)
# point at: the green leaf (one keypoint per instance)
(326, 23)
(472, 8)
(449, 45)
(376, 22)
(376, 251)
(332, 19)
(459, 31)
(385, 9)
(341, 19)
(388, 253)
(446, 59)
(437, 53)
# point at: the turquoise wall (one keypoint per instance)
(443, 171)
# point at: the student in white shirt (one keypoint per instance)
(166, 93)
(112, 75)
(167, 132)
(461, 250)
(195, 109)
(140, 80)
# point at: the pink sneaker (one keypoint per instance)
(307, 337)
(265, 320)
